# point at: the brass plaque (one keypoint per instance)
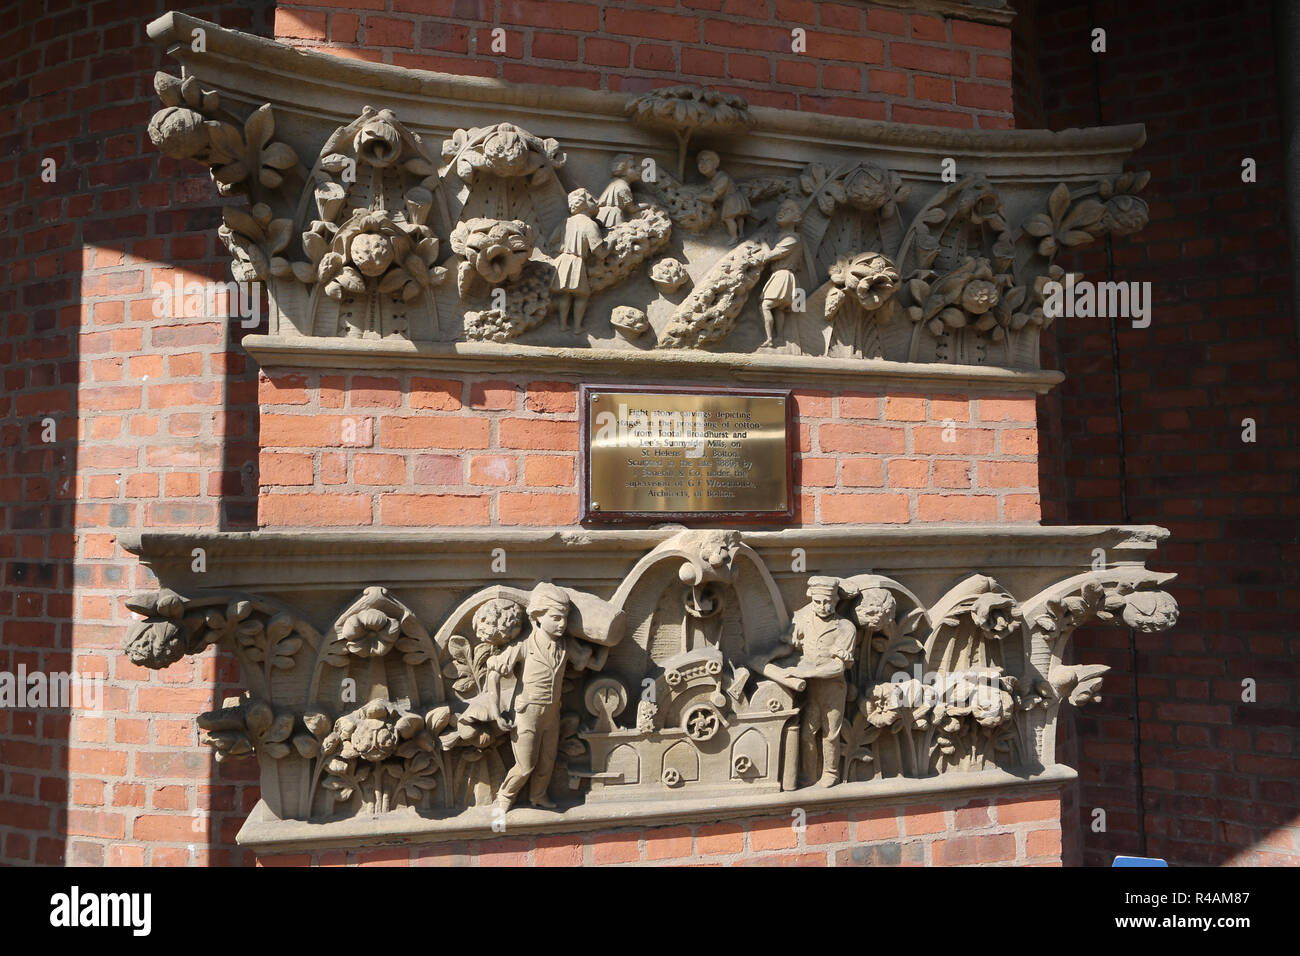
(685, 453)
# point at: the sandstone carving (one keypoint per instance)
(691, 678)
(352, 248)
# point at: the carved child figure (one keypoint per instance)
(581, 238)
(784, 258)
(617, 204)
(536, 664)
(825, 643)
(735, 207)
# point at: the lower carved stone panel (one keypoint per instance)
(421, 688)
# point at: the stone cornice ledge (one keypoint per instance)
(980, 11)
(630, 364)
(264, 832)
(336, 87)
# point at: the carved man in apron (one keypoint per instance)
(825, 642)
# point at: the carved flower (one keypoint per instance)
(1125, 215)
(506, 152)
(373, 740)
(155, 644)
(877, 608)
(979, 296)
(882, 704)
(995, 614)
(494, 249)
(991, 705)
(178, 132)
(1150, 611)
(869, 187)
(968, 291)
(378, 141)
(981, 204)
(371, 633)
(498, 622)
(372, 253)
(869, 277)
(372, 246)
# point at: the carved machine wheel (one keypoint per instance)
(701, 722)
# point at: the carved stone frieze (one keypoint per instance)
(700, 670)
(731, 229)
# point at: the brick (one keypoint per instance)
(861, 439)
(620, 847)
(492, 395)
(551, 398)
(379, 469)
(865, 509)
(538, 433)
(719, 838)
(416, 510)
(956, 851)
(827, 828)
(923, 819)
(549, 471)
(558, 851)
(491, 470)
(285, 510)
(956, 508)
(909, 472)
(537, 509)
(1007, 410)
(435, 394)
(772, 834)
(1028, 809)
(1047, 843)
(437, 431)
(317, 431)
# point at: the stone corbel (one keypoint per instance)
(353, 215)
(688, 660)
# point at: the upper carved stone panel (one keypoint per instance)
(456, 210)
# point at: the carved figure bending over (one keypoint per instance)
(824, 642)
(722, 188)
(617, 205)
(779, 292)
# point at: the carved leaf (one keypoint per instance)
(465, 686)
(241, 223)
(168, 88)
(279, 156)
(1038, 226)
(191, 93)
(227, 143)
(259, 126)
(1058, 201)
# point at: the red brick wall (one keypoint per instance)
(155, 426)
(463, 450)
(157, 419)
(1024, 831)
(861, 60)
(1221, 776)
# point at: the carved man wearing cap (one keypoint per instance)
(825, 643)
(536, 664)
